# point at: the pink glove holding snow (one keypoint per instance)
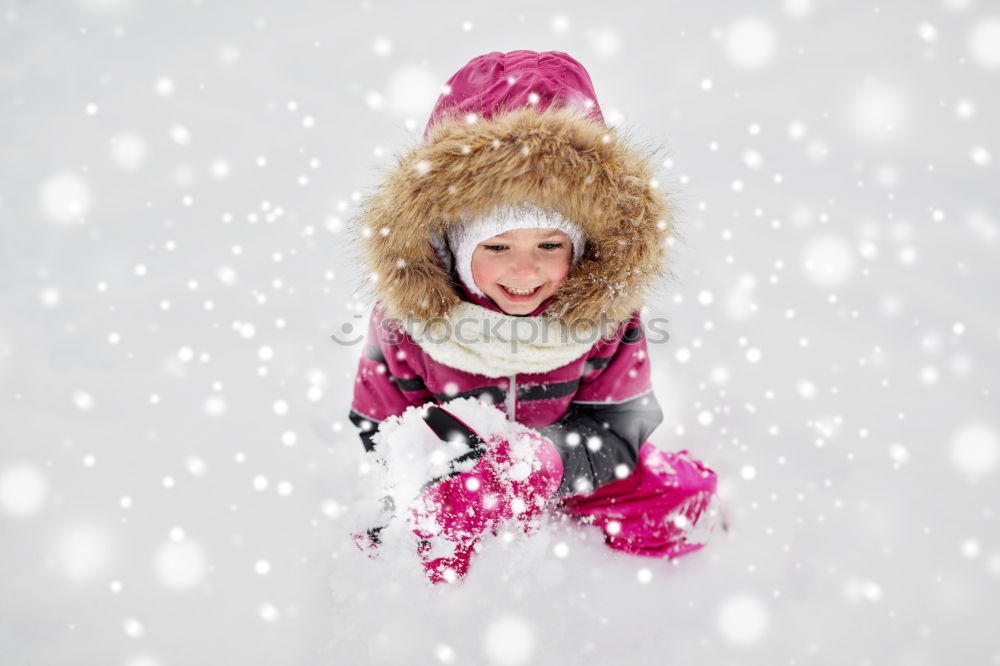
(509, 480)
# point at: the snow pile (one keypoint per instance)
(408, 455)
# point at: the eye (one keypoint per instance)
(550, 246)
(495, 248)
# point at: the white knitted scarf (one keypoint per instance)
(478, 340)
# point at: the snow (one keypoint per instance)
(970, 548)
(799, 9)
(174, 442)
(103, 5)
(129, 150)
(23, 489)
(878, 112)
(509, 640)
(382, 46)
(974, 450)
(409, 454)
(65, 198)
(133, 628)
(143, 660)
(180, 135)
(750, 43)
(164, 86)
(220, 169)
(215, 405)
(739, 301)
(82, 551)
(374, 100)
(828, 260)
(981, 156)
(180, 564)
(604, 42)
(742, 619)
(984, 42)
(410, 89)
(965, 109)
(83, 401)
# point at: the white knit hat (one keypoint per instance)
(463, 238)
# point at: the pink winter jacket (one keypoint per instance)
(511, 128)
(597, 409)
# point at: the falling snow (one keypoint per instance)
(178, 476)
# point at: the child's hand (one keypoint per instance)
(509, 480)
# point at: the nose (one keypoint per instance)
(523, 265)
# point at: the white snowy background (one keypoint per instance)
(177, 470)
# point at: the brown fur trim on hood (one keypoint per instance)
(555, 159)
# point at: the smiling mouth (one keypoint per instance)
(519, 292)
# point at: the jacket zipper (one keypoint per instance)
(512, 397)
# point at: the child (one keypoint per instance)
(521, 211)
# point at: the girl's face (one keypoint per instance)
(521, 268)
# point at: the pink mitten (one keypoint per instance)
(509, 480)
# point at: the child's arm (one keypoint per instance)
(611, 415)
(386, 383)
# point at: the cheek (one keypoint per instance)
(484, 269)
(558, 270)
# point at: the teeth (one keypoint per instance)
(519, 292)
